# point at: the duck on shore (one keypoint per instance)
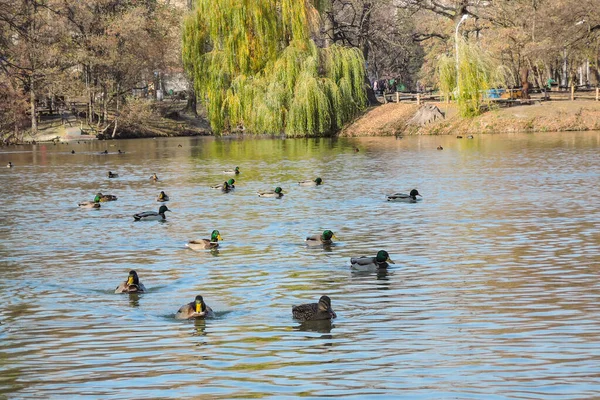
(314, 311)
(196, 309)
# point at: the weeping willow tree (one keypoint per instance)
(256, 67)
(476, 75)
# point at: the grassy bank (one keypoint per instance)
(550, 116)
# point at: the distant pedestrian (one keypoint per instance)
(64, 117)
(375, 86)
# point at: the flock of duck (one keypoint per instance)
(198, 308)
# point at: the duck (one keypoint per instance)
(314, 311)
(72, 151)
(440, 148)
(9, 165)
(470, 137)
(89, 204)
(203, 244)
(121, 152)
(277, 193)
(151, 215)
(405, 198)
(112, 175)
(104, 152)
(131, 285)
(316, 182)
(162, 197)
(105, 197)
(196, 309)
(459, 137)
(323, 239)
(154, 178)
(225, 186)
(235, 171)
(381, 260)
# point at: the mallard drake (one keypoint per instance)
(381, 260)
(131, 285)
(405, 198)
(202, 244)
(151, 215)
(277, 193)
(9, 165)
(314, 311)
(112, 175)
(316, 182)
(235, 171)
(105, 197)
(225, 186)
(196, 309)
(162, 197)
(318, 240)
(89, 204)
(154, 178)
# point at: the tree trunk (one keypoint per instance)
(192, 102)
(524, 73)
(114, 132)
(365, 27)
(104, 104)
(34, 124)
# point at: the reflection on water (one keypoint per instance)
(494, 293)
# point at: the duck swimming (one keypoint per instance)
(277, 193)
(89, 204)
(316, 182)
(440, 148)
(196, 309)
(314, 311)
(112, 175)
(319, 240)
(131, 285)
(151, 215)
(154, 178)
(381, 260)
(225, 186)
(235, 171)
(162, 197)
(9, 165)
(105, 197)
(405, 198)
(203, 244)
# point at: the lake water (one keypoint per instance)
(494, 294)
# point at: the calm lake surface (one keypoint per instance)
(494, 294)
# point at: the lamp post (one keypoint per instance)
(462, 19)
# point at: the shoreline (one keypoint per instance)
(550, 116)
(391, 119)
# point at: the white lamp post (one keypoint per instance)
(462, 19)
